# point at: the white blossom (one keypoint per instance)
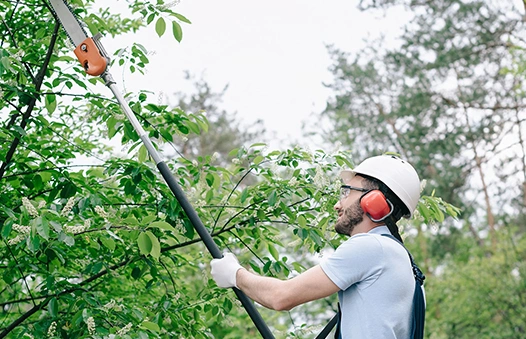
(16, 240)
(215, 156)
(52, 329)
(195, 163)
(199, 203)
(29, 207)
(423, 184)
(295, 243)
(22, 229)
(75, 229)
(308, 330)
(236, 161)
(337, 146)
(320, 179)
(68, 207)
(91, 325)
(179, 227)
(109, 305)
(18, 55)
(41, 204)
(293, 181)
(101, 212)
(125, 329)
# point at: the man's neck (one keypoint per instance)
(365, 226)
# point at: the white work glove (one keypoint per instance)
(224, 270)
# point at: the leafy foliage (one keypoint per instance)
(93, 243)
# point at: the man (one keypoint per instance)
(372, 273)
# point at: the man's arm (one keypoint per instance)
(285, 294)
(270, 292)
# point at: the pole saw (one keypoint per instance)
(94, 60)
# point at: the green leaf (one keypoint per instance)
(273, 251)
(209, 196)
(51, 103)
(109, 243)
(67, 239)
(163, 225)
(272, 198)
(258, 159)
(194, 127)
(302, 221)
(145, 244)
(182, 18)
(42, 226)
(233, 152)
(156, 246)
(8, 211)
(52, 307)
(68, 190)
(160, 26)
(136, 272)
(33, 243)
(150, 326)
(424, 211)
(150, 18)
(177, 31)
(6, 228)
(244, 195)
(210, 179)
(143, 153)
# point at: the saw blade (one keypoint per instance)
(71, 25)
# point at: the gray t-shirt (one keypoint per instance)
(376, 280)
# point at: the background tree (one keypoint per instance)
(450, 99)
(226, 132)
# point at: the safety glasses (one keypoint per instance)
(345, 190)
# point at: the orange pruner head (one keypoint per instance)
(90, 57)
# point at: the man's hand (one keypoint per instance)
(224, 270)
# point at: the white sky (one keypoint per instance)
(271, 54)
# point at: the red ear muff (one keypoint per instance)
(376, 206)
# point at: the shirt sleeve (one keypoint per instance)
(358, 259)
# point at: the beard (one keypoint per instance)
(352, 216)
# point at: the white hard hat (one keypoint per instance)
(395, 173)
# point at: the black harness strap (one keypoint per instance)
(419, 307)
(328, 328)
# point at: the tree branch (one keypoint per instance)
(21, 272)
(38, 170)
(24, 316)
(16, 46)
(38, 83)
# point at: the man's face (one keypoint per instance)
(350, 212)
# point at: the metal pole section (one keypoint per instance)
(185, 204)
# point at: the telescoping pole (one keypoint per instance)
(183, 201)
